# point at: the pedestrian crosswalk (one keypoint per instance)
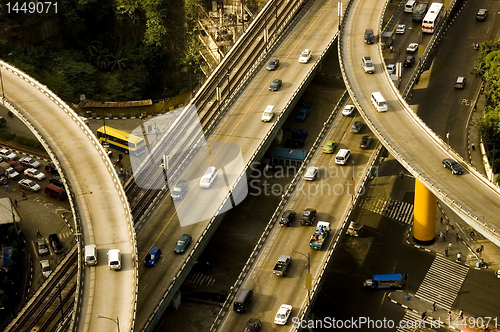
(391, 208)
(65, 235)
(196, 279)
(442, 282)
(412, 322)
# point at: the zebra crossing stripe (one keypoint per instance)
(397, 210)
(413, 322)
(198, 279)
(442, 282)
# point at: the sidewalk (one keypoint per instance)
(439, 317)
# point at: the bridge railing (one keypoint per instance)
(473, 220)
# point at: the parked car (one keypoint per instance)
(46, 269)
(348, 110)
(273, 64)
(356, 127)
(282, 315)
(29, 185)
(152, 257)
(275, 84)
(365, 142)
(311, 173)
(409, 61)
(412, 48)
(391, 69)
(56, 244)
(57, 181)
(401, 29)
(42, 247)
(329, 146)
(453, 166)
(17, 167)
(29, 162)
(34, 173)
(182, 244)
(7, 155)
(305, 56)
(304, 113)
(51, 168)
(287, 218)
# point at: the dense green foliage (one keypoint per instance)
(116, 50)
(6, 135)
(488, 67)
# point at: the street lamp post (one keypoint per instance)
(308, 256)
(111, 319)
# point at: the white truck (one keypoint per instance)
(9, 172)
(320, 235)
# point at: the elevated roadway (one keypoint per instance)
(98, 201)
(408, 139)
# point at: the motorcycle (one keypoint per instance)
(476, 46)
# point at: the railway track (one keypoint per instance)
(53, 302)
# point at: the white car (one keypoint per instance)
(311, 173)
(268, 113)
(305, 56)
(391, 69)
(34, 173)
(7, 155)
(29, 185)
(283, 314)
(46, 269)
(412, 48)
(401, 29)
(29, 162)
(348, 110)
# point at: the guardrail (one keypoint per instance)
(491, 233)
(57, 101)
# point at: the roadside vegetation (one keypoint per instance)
(488, 68)
(116, 50)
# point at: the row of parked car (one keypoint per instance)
(44, 250)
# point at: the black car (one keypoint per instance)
(453, 166)
(253, 325)
(56, 244)
(180, 190)
(308, 217)
(275, 84)
(365, 142)
(409, 61)
(273, 64)
(51, 168)
(57, 181)
(287, 218)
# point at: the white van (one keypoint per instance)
(410, 4)
(379, 102)
(208, 177)
(342, 156)
(268, 113)
(90, 254)
(114, 259)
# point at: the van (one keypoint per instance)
(242, 300)
(114, 259)
(369, 37)
(56, 192)
(208, 177)
(410, 4)
(342, 156)
(90, 253)
(381, 281)
(379, 102)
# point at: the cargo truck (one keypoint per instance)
(320, 235)
(9, 172)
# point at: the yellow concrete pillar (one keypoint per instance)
(424, 214)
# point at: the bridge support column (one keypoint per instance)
(424, 215)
